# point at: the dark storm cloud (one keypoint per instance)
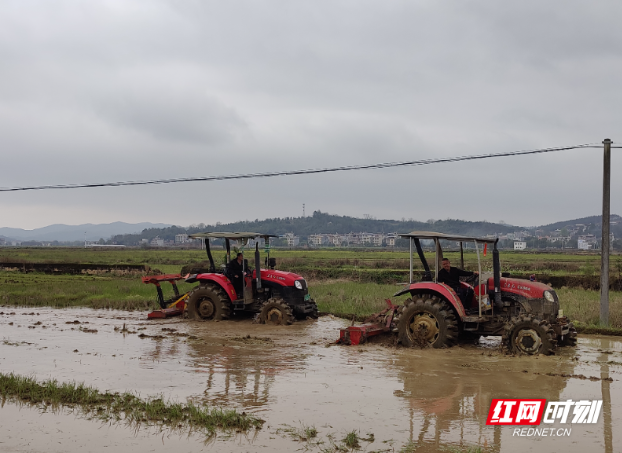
(128, 90)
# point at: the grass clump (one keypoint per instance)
(351, 440)
(303, 434)
(123, 406)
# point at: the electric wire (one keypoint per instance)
(412, 163)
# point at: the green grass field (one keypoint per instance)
(343, 282)
(577, 263)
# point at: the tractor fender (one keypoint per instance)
(441, 289)
(220, 280)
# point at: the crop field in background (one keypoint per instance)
(343, 282)
(586, 263)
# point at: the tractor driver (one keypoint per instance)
(451, 277)
(235, 272)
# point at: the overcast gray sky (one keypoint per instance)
(104, 91)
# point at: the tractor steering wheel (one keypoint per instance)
(472, 280)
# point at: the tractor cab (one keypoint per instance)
(479, 289)
(526, 313)
(277, 296)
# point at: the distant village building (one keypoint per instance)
(292, 241)
(181, 238)
(520, 245)
(582, 244)
(317, 239)
(391, 238)
(157, 242)
(366, 238)
(586, 242)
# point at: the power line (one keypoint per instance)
(412, 163)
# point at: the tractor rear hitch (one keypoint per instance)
(353, 335)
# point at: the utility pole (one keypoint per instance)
(604, 248)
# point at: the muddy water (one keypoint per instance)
(289, 377)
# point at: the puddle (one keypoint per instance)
(287, 376)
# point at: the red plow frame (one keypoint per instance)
(359, 334)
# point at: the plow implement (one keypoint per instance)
(173, 306)
(376, 324)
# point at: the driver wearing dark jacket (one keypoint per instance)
(236, 275)
(451, 277)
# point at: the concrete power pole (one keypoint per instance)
(604, 249)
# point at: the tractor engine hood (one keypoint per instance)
(280, 277)
(525, 288)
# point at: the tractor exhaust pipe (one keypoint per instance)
(257, 265)
(496, 269)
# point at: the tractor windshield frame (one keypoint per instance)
(414, 240)
(243, 236)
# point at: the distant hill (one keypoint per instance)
(69, 233)
(591, 225)
(321, 222)
(595, 220)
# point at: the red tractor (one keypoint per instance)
(277, 297)
(525, 313)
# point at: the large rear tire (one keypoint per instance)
(427, 320)
(530, 336)
(208, 303)
(276, 312)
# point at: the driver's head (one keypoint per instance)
(446, 264)
(239, 257)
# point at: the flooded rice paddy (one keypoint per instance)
(395, 399)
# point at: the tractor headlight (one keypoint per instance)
(298, 284)
(548, 295)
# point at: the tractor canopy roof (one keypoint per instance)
(448, 237)
(232, 236)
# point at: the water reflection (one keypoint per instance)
(449, 393)
(241, 375)
(606, 395)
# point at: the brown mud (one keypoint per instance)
(294, 377)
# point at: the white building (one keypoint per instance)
(181, 238)
(292, 241)
(378, 239)
(582, 244)
(366, 238)
(317, 239)
(520, 245)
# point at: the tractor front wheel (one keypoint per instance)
(570, 339)
(529, 336)
(427, 320)
(276, 312)
(208, 303)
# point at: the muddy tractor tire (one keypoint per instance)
(276, 312)
(427, 320)
(208, 303)
(529, 336)
(570, 339)
(313, 315)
